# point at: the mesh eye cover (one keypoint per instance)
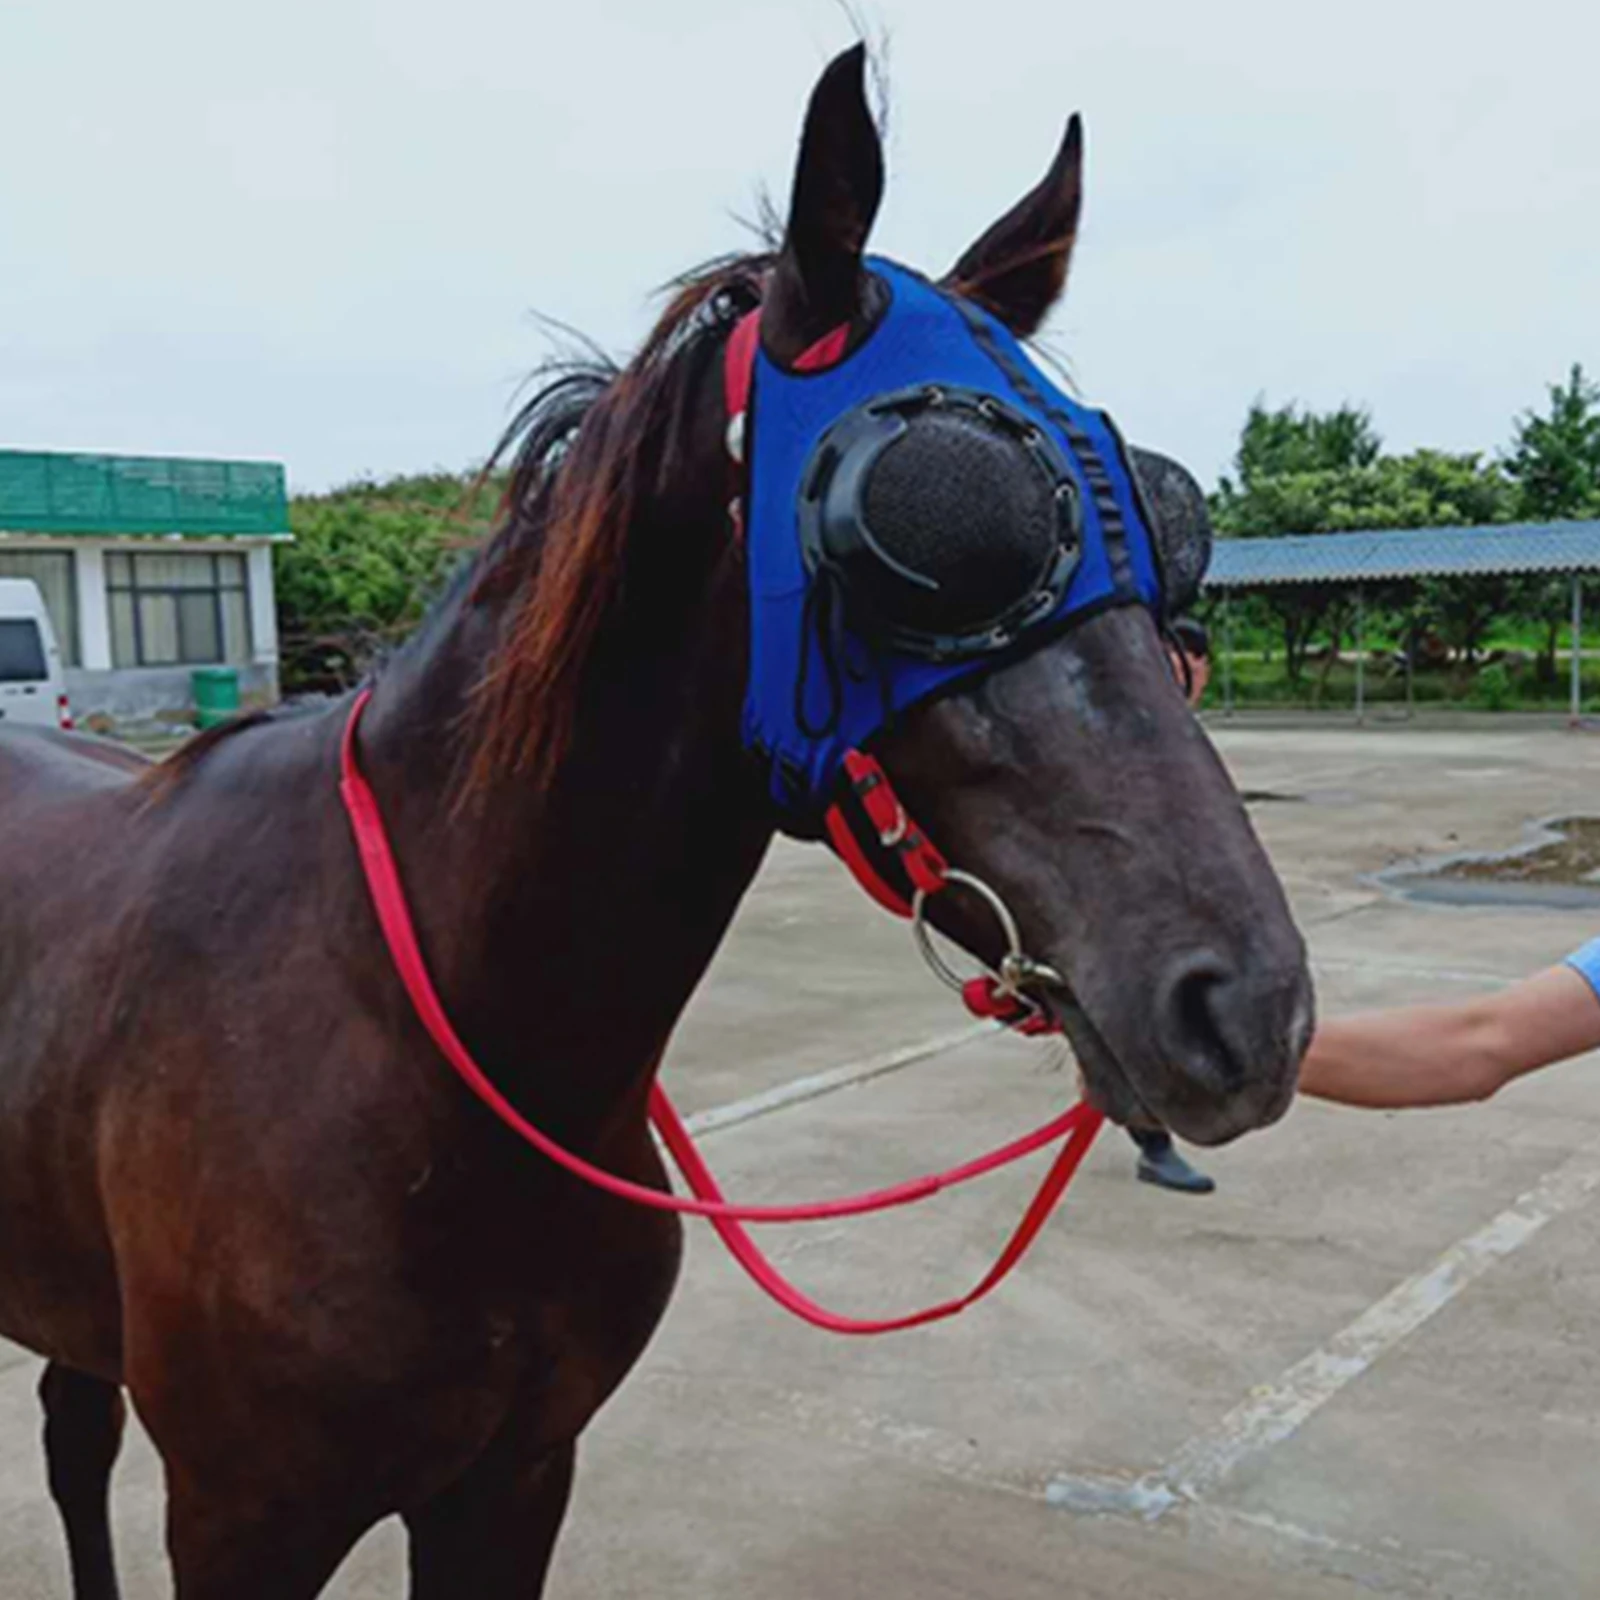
(1180, 524)
(950, 520)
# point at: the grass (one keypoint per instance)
(1497, 686)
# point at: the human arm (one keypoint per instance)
(1440, 1055)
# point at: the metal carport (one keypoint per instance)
(1387, 555)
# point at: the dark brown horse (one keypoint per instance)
(237, 1182)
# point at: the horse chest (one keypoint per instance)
(500, 1287)
(579, 1306)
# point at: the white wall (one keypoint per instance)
(94, 611)
(263, 607)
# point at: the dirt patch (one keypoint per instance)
(1572, 855)
(1558, 867)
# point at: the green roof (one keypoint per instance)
(49, 491)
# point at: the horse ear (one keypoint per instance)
(1018, 268)
(838, 183)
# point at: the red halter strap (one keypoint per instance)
(739, 360)
(739, 364)
(1076, 1128)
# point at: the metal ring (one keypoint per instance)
(1017, 969)
(941, 969)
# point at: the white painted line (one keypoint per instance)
(1392, 1568)
(799, 1090)
(1275, 1413)
(1101, 1495)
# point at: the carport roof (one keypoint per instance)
(1308, 558)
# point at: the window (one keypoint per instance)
(52, 571)
(177, 610)
(21, 651)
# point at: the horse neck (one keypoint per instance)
(566, 930)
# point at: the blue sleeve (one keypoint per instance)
(1586, 960)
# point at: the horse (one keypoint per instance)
(237, 1183)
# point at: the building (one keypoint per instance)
(151, 566)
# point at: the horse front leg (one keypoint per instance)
(83, 1423)
(491, 1534)
(256, 1542)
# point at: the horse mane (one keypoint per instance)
(589, 447)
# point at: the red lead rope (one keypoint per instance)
(1080, 1125)
(1076, 1128)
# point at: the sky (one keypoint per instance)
(325, 231)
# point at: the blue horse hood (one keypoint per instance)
(804, 707)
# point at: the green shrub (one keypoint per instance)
(365, 562)
(1493, 689)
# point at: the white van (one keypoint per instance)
(32, 689)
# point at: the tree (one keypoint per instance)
(1300, 472)
(1555, 463)
(1555, 459)
(1285, 464)
(1437, 489)
(1289, 440)
(365, 561)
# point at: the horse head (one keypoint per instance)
(1014, 563)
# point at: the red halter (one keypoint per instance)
(889, 829)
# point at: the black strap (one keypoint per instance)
(1090, 462)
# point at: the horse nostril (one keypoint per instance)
(1191, 1022)
(1227, 1037)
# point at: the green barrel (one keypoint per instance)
(216, 695)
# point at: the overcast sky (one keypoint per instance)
(316, 230)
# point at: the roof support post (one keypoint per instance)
(1413, 621)
(1576, 712)
(1361, 657)
(1227, 652)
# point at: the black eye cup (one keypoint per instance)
(949, 521)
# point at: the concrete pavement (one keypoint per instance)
(1366, 1364)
